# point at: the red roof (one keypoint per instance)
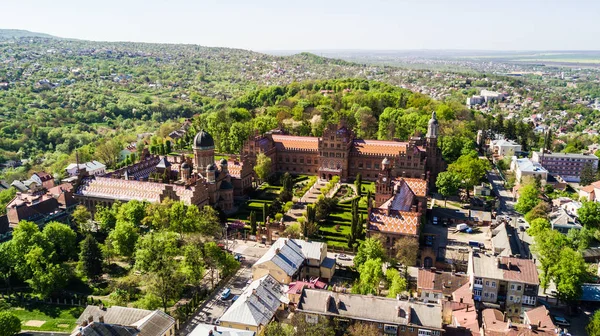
(297, 286)
(522, 270)
(378, 147)
(400, 222)
(292, 142)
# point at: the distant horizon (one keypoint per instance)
(515, 25)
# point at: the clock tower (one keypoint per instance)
(383, 185)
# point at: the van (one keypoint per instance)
(473, 243)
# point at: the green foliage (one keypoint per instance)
(263, 166)
(149, 301)
(588, 175)
(538, 226)
(293, 230)
(541, 210)
(548, 246)
(356, 225)
(448, 183)
(5, 197)
(90, 257)
(252, 220)
(358, 183)
(470, 169)
(396, 283)
(570, 272)
(593, 327)
(323, 207)
(277, 329)
(371, 248)
(81, 216)
(106, 217)
(528, 198)
(589, 214)
(287, 182)
(9, 324)
(371, 274)
(124, 237)
(62, 239)
(580, 239)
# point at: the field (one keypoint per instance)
(54, 318)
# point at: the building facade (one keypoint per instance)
(568, 166)
(196, 181)
(339, 153)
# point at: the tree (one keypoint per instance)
(371, 274)
(593, 328)
(362, 329)
(293, 231)
(252, 220)
(262, 167)
(133, 211)
(570, 272)
(538, 226)
(124, 237)
(108, 152)
(447, 184)
(371, 248)
(589, 214)
(47, 277)
(323, 207)
(396, 283)
(265, 211)
(7, 263)
(208, 224)
(470, 170)
(106, 217)
(358, 183)
(580, 239)
(9, 324)
(90, 257)
(5, 197)
(528, 198)
(305, 328)
(155, 256)
(406, 252)
(541, 210)
(287, 182)
(548, 245)
(356, 225)
(81, 216)
(277, 329)
(212, 255)
(588, 175)
(62, 238)
(193, 264)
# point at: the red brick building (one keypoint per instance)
(339, 153)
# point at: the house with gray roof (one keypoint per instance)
(391, 315)
(256, 306)
(213, 330)
(123, 321)
(290, 259)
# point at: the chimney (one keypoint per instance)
(101, 318)
(84, 323)
(90, 318)
(277, 251)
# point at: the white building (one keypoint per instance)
(489, 96)
(504, 147)
(93, 168)
(527, 168)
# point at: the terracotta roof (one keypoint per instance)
(443, 282)
(235, 168)
(522, 270)
(466, 318)
(60, 188)
(292, 142)
(297, 286)
(588, 189)
(463, 293)
(541, 317)
(494, 325)
(400, 222)
(378, 147)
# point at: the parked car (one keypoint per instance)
(235, 298)
(343, 257)
(225, 293)
(561, 321)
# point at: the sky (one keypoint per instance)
(264, 25)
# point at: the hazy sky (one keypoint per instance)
(324, 24)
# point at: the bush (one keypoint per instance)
(278, 216)
(150, 302)
(9, 324)
(301, 191)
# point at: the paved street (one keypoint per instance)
(214, 307)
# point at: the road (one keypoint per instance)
(214, 307)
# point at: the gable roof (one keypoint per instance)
(258, 303)
(378, 147)
(289, 254)
(443, 282)
(124, 321)
(206, 329)
(292, 142)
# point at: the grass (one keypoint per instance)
(342, 216)
(52, 314)
(368, 186)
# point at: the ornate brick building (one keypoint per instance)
(201, 181)
(339, 153)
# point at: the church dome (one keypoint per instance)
(433, 119)
(203, 140)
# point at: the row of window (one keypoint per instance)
(332, 154)
(294, 159)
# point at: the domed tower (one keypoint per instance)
(223, 166)
(433, 129)
(383, 185)
(204, 151)
(186, 171)
(211, 171)
(434, 162)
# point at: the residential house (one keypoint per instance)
(436, 286)
(525, 168)
(568, 166)
(495, 324)
(511, 282)
(482, 190)
(93, 168)
(37, 182)
(391, 316)
(214, 330)
(289, 259)
(41, 207)
(540, 317)
(256, 306)
(591, 192)
(116, 320)
(295, 288)
(504, 148)
(505, 241)
(562, 221)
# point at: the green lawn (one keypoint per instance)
(341, 216)
(366, 186)
(58, 318)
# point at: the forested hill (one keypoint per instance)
(18, 33)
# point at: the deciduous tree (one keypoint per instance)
(528, 198)
(90, 257)
(396, 283)
(262, 167)
(570, 273)
(548, 245)
(62, 238)
(406, 252)
(593, 327)
(447, 184)
(124, 237)
(371, 248)
(371, 274)
(589, 214)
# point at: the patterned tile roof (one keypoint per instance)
(400, 222)
(418, 186)
(127, 190)
(292, 142)
(378, 147)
